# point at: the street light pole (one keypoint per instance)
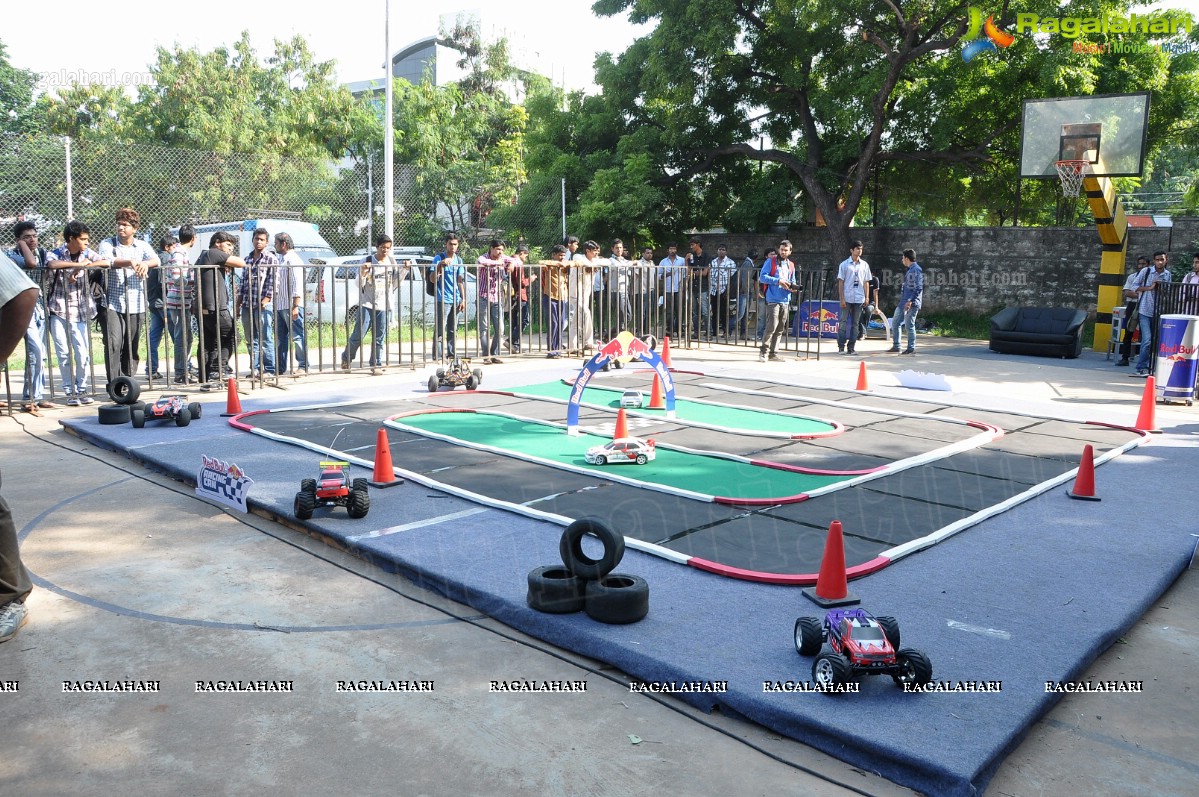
(388, 134)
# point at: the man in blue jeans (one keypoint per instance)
(1146, 288)
(909, 303)
(853, 289)
(255, 297)
(289, 306)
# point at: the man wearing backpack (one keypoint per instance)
(778, 275)
(449, 276)
(1147, 281)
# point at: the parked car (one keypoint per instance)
(305, 235)
(332, 293)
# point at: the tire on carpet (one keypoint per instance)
(123, 390)
(577, 561)
(555, 590)
(113, 414)
(618, 599)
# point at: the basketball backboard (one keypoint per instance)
(1108, 131)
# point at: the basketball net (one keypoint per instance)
(1071, 174)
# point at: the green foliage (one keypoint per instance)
(17, 115)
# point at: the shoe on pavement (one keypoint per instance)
(908, 351)
(774, 358)
(1141, 374)
(73, 401)
(1122, 363)
(893, 350)
(12, 617)
(86, 400)
(762, 357)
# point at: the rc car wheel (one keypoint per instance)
(890, 627)
(124, 390)
(809, 636)
(607, 364)
(137, 405)
(304, 504)
(359, 503)
(830, 669)
(617, 364)
(184, 417)
(914, 668)
(137, 418)
(471, 382)
(359, 484)
(577, 561)
(642, 459)
(308, 486)
(113, 414)
(478, 372)
(433, 384)
(554, 590)
(440, 373)
(617, 598)
(195, 408)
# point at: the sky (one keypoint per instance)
(120, 38)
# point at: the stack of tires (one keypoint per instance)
(124, 392)
(588, 584)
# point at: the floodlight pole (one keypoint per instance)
(388, 134)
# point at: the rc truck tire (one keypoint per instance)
(359, 484)
(617, 598)
(914, 668)
(478, 372)
(433, 384)
(890, 627)
(195, 408)
(472, 382)
(578, 562)
(359, 503)
(124, 390)
(184, 417)
(137, 418)
(304, 504)
(809, 636)
(113, 414)
(554, 590)
(830, 669)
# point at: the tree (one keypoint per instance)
(16, 98)
(840, 89)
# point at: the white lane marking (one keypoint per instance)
(994, 633)
(419, 524)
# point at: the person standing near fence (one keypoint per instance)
(853, 289)
(125, 294)
(586, 265)
(520, 281)
(1146, 289)
(721, 271)
(289, 306)
(155, 303)
(212, 300)
(376, 277)
(1130, 310)
(493, 272)
(698, 271)
(71, 308)
(555, 296)
(645, 273)
(619, 282)
(778, 275)
(672, 271)
(910, 298)
(179, 289)
(18, 297)
(449, 292)
(746, 289)
(31, 257)
(255, 305)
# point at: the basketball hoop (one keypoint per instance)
(1071, 173)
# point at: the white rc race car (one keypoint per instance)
(623, 450)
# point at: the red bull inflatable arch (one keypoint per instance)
(625, 347)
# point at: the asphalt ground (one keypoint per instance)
(151, 584)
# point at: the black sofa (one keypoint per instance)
(1040, 331)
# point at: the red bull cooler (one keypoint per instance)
(1176, 358)
(817, 319)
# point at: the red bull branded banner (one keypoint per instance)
(1176, 357)
(817, 319)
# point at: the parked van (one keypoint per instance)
(307, 238)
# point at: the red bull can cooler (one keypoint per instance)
(816, 319)
(1177, 362)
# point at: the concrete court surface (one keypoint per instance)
(243, 598)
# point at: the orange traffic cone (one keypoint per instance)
(233, 401)
(666, 352)
(1147, 418)
(832, 588)
(656, 400)
(384, 475)
(862, 383)
(622, 425)
(1084, 482)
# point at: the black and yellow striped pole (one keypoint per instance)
(1113, 234)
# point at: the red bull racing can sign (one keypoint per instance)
(1176, 358)
(818, 319)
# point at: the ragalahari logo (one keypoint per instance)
(981, 36)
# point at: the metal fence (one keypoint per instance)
(49, 180)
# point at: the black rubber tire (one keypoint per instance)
(601, 460)
(308, 486)
(809, 636)
(433, 384)
(914, 668)
(304, 504)
(617, 364)
(359, 503)
(478, 372)
(124, 390)
(184, 417)
(195, 408)
(577, 562)
(607, 364)
(112, 414)
(440, 373)
(137, 405)
(890, 627)
(554, 590)
(137, 418)
(359, 484)
(642, 459)
(471, 382)
(617, 598)
(830, 669)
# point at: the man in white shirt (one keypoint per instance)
(289, 307)
(721, 271)
(672, 271)
(853, 289)
(619, 283)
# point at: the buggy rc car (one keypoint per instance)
(458, 373)
(861, 644)
(166, 408)
(622, 451)
(333, 488)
